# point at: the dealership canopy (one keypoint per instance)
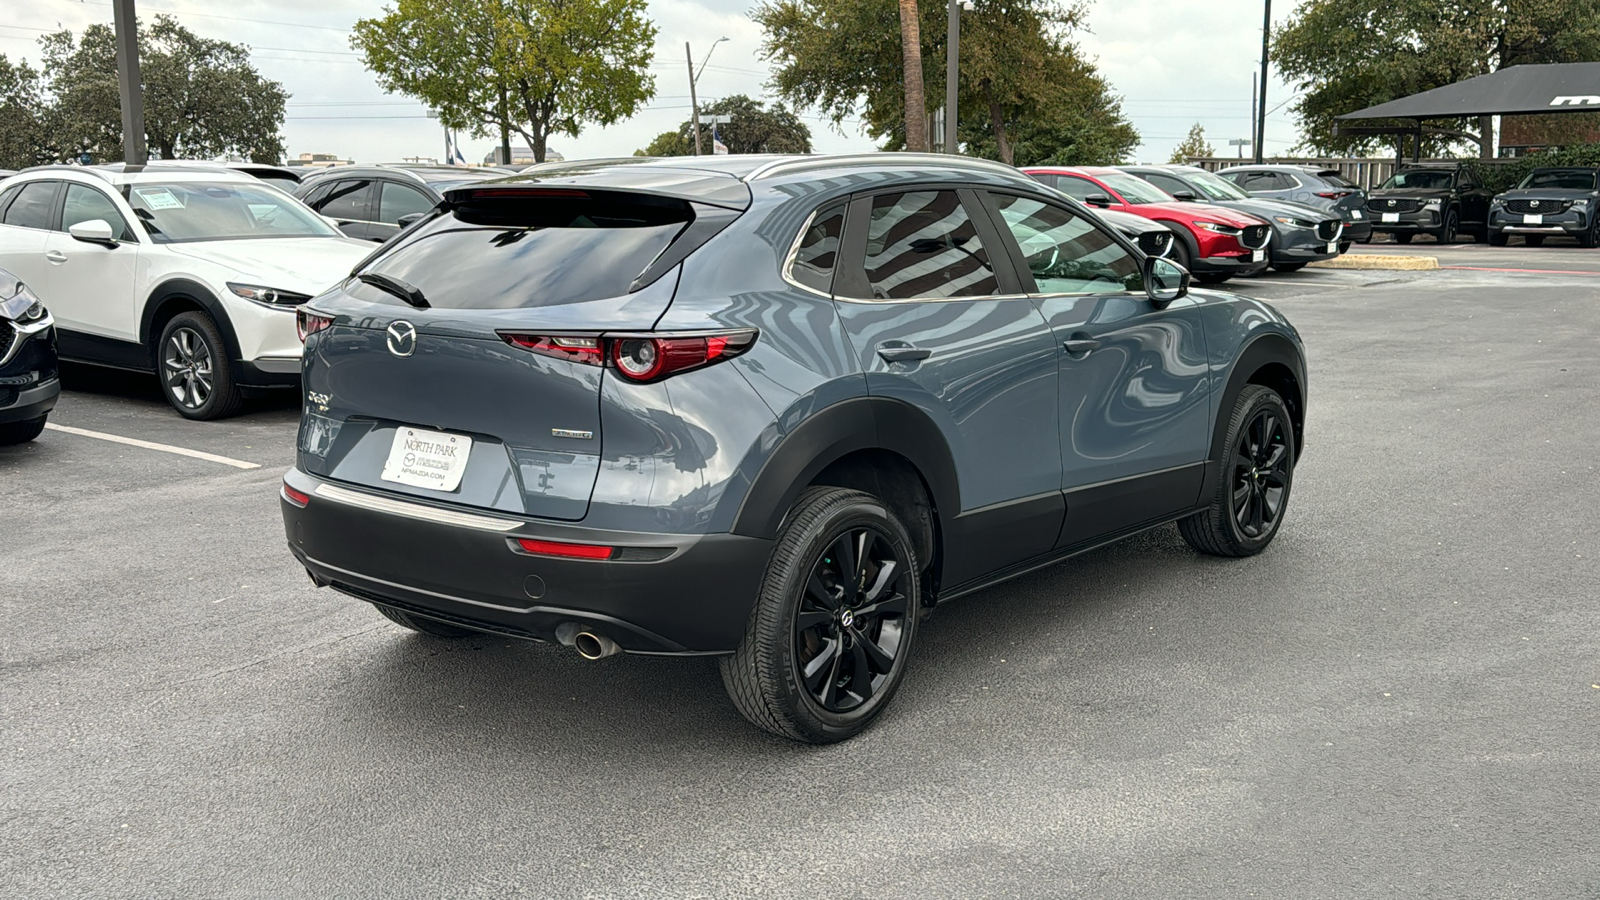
(1516, 90)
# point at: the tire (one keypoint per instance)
(21, 432)
(1261, 437)
(1213, 277)
(1590, 239)
(1498, 238)
(1344, 247)
(1533, 240)
(1180, 253)
(1288, 267)
(788, 675)
(422, 624)
(192, 363)
(1403, 237)
(1447, 233)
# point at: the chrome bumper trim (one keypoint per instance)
(414, 510)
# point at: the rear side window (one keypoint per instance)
(6, 196)
(818, 252)
(922, 244)
(397, 200)
(1043, 178)
(349, 200)
(522, 250)
(32, 207)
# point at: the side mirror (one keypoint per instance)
(1186, 196)
(1164, 281)
(1099, 200)
(94, 231)
(410, 219)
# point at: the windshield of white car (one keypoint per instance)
(1215, 187)
(184, 211)
(1568, 180)
(1134, 190)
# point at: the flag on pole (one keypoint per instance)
(453, 155)
(718, 148)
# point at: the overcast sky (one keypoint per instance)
(1174, 62)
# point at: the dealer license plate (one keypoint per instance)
(1391, 217)
(427, 459)
(1258, 255)
(1333, 246)
(1533, 220)
(1355, 213)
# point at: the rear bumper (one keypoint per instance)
(28, 403)
(695, 599)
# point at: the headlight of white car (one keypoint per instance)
(267, 296)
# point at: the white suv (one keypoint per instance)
(192, 274)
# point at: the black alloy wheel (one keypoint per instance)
(1591, 238)
(827, 642)
(1251, 486)
(192, 362)
(851, 618)
(1447, 234)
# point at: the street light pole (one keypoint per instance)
(1261, 104)
(129, 83)
(951, 67)
(694, 76)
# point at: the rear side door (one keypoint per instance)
(395, 202)
(24, 224)
(932, 308)
(1133, 379)
(91, 286)
(350, 204)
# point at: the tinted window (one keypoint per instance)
(1335, 179)
(6, 196)
(314, 195)
(32, 207)
(1539, 178)
(1078, 188)
(923, 244)
(398, 200)
(1044, 178)
(285, 183)
(85, 204)
(1422, 179)
(349, 200)
(207, 211)
(1167, 183)
(819, 250)
(1066, 253)
(524, 253)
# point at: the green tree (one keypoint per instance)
(538, 67)
(202, 98)
(24, 125)
(1346, 55)
(1194, 145)
(754, 129)
(1020, 75)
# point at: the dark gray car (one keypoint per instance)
(769, 409)
(1300, 234)
(372, 203)
(1559, 202)
(1315, 186)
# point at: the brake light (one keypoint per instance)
(307, 323)
(298, 498)
(641, 357)
(565, 550)
(1334, 195)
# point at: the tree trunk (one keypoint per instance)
(1486, 139)
(997, 124)
(916, 102)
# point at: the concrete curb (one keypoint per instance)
(1378, 261)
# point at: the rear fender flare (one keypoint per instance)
(862, 423)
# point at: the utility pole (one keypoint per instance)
(694, 104)
(1261, 104)
(952, 65)
(129, 82)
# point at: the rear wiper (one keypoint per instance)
(395, 286)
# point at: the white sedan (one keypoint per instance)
(192, 274)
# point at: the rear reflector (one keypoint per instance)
(298, 498)
(568, 551)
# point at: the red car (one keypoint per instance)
(1212, 242)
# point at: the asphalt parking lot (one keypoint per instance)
(1400, 698)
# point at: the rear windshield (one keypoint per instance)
(1335, 179)
(1564, 180)
(531, 251)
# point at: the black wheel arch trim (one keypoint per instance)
(1262, 350)
(178, 289)
(860, 423)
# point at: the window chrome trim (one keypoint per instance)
(393, 507)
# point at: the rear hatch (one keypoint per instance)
(1347, 198)
(427, 397)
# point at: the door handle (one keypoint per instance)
(56, 256)
(1081, 346)
(903, 353)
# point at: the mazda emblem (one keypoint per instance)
(1391, 202)
(1533, 203)
(402, 338)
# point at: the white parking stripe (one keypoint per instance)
(151, 445)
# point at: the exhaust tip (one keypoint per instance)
(594, 646)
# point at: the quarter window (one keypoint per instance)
(85, 204)
(922, 244)
(32, 207)
(819, 249)
(1066, 253)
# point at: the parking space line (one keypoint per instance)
(151, 445)
(1525, 271)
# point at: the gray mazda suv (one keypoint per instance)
(769, 409)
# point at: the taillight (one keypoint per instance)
(640, 357)
(307, 323)
(298, 498)
(1334, 195)
(563, 549)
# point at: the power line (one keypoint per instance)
(185, 12)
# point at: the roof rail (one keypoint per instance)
(96, 171)
(827, 161)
